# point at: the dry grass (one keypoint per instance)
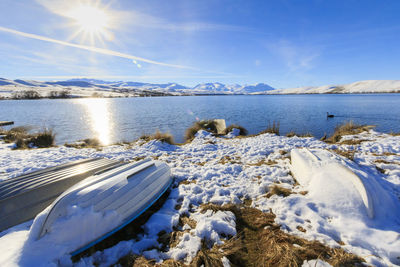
(15, 133)
(186, 220)
(353, 142)
(263, 162)
(187, 182)
(301, 229)
(86, 143)
(260, 242)
(384, 154)
(163, 137)
(347, 154)
(24, 140)
(169, 240)
(384, 161)
(207, 125)
(228, 159)
(263, 243)
(242, 131)
(394, 133)
(43, 139)
(272, 128)
(278, 190)
(213, 257)
(347, 128)
(293, 133)
(383, 171)
(138, 158)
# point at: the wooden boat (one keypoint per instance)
(23, 197)
(117, 197)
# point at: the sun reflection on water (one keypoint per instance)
(100, 115)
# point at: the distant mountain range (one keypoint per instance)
(88, 87)
(82, 87)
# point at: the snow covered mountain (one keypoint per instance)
(89, 87)
(219, 88)
(368, 86)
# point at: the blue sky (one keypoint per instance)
(281, 43)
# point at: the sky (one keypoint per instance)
(284, 43)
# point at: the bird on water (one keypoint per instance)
(329, 115)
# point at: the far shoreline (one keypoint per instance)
(186, 95)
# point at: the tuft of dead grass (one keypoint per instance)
(242, 131)
(229, 159)
(383, 161)
(163, 137)
(263, 162)
(207, 125)
(345, 153)
(187, 182)
(43, 139)
(293, 134)
(86, 143)
(186, 220)
(213, 257)
(279, 191)
(353, 142)
(347, 128)
(301, 229)
(15, 133)
(23, 139)
(394, 133)
(272, 128)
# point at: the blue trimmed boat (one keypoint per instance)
(102, 204)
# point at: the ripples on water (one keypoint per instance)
(125, 119)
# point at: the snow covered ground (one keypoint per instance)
(87, 87)
(222, 171)
(368, 86)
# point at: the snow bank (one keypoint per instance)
(219, 170)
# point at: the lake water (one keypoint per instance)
(125, 119)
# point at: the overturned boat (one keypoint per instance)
(342, 184)
(23, 197)
(102, 204)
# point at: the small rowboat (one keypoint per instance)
(23, 197)
(102, 204)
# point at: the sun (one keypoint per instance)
(92, 21)
(90, 18)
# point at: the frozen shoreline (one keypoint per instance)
(223, 171)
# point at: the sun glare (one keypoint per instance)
(99, 117)
(90, 19)
(93, 22)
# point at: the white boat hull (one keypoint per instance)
(341, 183)
(102, 204)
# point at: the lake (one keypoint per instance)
(125, 119)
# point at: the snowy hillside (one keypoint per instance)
(368, 86)
(88, 87)
(219, 88)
